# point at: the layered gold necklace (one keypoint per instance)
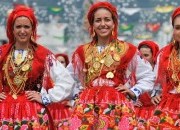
(20, 68)
(174, 65)
(107, 60)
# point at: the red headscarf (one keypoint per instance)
(109, 7)
(18, 12)
(175, 13)
(153, 46)
(64, 56)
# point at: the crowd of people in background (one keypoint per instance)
(109, 84)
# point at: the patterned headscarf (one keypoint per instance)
(18, 12)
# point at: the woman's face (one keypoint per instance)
(103, 23)
(146, 54)
(176, 29)
(62, 60)
(22, 30)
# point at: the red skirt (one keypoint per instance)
(23, 114)
(60, 114)
(144, 112)
(167, 113)
(103, 108)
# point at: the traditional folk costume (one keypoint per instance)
(100, 105)
(145, 111)
(166, 114)
(16, 111)
(34, 69)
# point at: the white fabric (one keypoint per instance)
(145, 77)
(63, 83)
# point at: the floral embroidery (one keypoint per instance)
(168, 119)
(75, 123)
(124, 124)
(103, 116)
(40, 122)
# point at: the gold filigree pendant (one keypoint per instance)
(18, 59)
(88, 59)
(110, 75)
(25, 67)
(96, 65)
(18, 80)
(116, 57)
(178, 88)
(109, 60)
(14, 96)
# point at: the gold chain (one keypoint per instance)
(175, 66)
(20, 72)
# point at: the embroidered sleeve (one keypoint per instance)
(61, 80)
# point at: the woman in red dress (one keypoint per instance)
(30, 76)
(167, 113)
(143, 105)
(104, 67)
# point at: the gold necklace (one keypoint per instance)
(20, 73)
(19, 58)
(107, 60)
(175, 67)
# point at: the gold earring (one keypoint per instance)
(112, 33)
(93, 34)
(174, 42)
(32, 38)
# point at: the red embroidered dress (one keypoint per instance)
(16, 111)
(167, 113)
(100, 105)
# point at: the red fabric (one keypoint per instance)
(64, 56)
(109, 7)
(175, 13)
(163, 74)
(145, 99)
(60, 114)
(153, 46)
(17, 12)
(144, 112)
(23, 113)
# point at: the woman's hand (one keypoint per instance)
(156, 99)
(124, 89)
(138, 103)
(2, 96)
(34, 96)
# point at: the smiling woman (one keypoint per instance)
(104, 67)
(30, 76)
